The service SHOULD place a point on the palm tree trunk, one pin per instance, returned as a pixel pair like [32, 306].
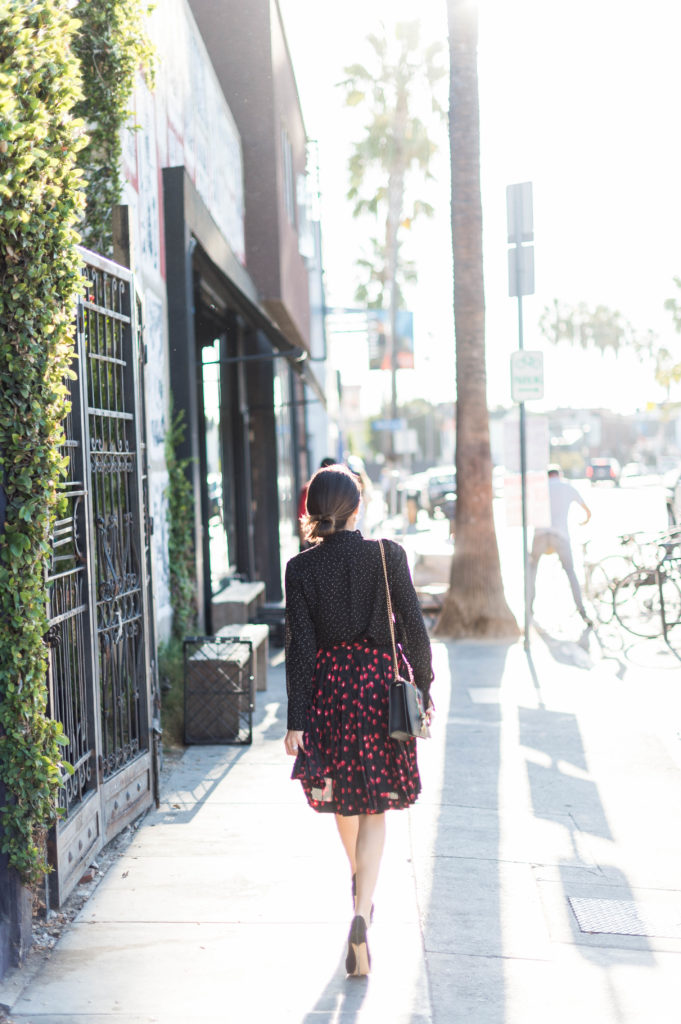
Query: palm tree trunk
[475, 604]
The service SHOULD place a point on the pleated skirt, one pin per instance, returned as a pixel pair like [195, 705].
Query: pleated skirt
[351, 766]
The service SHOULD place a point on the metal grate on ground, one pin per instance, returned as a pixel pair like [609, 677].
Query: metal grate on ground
[627, 917]
[218, 690]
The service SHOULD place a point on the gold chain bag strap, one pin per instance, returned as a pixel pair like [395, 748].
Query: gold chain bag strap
[406, 712]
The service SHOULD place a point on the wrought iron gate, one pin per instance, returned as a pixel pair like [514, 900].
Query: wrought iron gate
[102, 684]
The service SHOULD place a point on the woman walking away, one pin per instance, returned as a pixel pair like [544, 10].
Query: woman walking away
[339, 668]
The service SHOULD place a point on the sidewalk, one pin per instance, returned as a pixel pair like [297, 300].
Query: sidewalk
[551, 796]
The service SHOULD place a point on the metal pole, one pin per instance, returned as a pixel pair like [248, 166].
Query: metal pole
[523, 453]
[523, 502]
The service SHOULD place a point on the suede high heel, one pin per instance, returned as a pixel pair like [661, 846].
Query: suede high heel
[358, 960]
[354, 896]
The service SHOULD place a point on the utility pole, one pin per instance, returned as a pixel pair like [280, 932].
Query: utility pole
[521, 282]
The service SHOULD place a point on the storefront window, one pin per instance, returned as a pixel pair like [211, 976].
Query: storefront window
[288, 536]
[217, 535]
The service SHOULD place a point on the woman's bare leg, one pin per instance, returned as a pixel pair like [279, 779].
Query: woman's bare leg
[348, 827]
[368, 852]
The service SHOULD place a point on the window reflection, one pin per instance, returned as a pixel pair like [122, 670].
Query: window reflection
[288, 536]
[218, 544]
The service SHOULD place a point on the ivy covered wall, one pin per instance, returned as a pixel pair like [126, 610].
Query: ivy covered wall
[111, 45]
[41, 200]
[60, 156]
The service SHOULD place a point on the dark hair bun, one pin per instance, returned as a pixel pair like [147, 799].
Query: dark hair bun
[325, 526]
[332, 497]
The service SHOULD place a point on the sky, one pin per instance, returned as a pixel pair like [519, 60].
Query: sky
[581, 99]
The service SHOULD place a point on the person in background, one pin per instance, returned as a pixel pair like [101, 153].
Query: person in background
[302, 500]
[356, 467]
[562, 496]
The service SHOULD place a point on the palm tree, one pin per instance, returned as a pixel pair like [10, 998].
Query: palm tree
[599, 328]
[475, 604]
[394, 152]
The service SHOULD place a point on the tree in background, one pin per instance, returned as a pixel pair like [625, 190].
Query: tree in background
[597, 327]
[391, 161]
[601, 328]
[475, 604]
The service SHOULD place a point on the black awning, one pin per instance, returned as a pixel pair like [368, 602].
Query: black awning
[296, 355]
[193, 219]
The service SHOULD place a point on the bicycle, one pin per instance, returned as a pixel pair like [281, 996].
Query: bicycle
[600, 580]
[647, 602]
[602, 577]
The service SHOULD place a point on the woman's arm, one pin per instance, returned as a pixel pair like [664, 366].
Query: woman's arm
[412, 630]
[301, 651]
[294, 741]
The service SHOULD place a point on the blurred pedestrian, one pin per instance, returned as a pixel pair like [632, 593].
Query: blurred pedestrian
[358, 469]
[339, 667]
[556, 538]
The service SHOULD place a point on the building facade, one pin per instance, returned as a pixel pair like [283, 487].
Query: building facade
[205, 313]
[227, 255]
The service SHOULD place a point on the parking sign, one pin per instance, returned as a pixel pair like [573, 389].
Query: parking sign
[527, 375]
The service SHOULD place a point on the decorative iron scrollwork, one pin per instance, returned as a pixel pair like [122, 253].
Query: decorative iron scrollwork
[53, 637]
[116, 558]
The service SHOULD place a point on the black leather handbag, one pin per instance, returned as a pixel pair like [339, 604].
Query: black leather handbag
[406, 711]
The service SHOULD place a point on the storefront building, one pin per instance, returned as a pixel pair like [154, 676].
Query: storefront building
[224, 250]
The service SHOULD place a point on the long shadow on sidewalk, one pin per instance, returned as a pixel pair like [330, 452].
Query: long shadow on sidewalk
[195, 779]
[462, 916]
[583, 893]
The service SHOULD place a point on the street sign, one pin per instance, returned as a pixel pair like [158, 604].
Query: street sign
[398, 424]
[520, 224]
[537, 510]
[536, 444]
[519, 217]
[527, 375]
[405, 442]
[520, 271]
[537, 503]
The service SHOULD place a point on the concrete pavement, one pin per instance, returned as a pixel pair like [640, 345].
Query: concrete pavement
[537, 878]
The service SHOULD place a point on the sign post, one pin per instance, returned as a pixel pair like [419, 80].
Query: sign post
[524, 375]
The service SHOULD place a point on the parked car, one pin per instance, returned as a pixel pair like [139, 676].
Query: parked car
[604, 469]
[440, 489]
[633, 470]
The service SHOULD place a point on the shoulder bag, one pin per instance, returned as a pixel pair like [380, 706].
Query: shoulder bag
[406, 712]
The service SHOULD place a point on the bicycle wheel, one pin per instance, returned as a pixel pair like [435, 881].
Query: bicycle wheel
[638, 604]
[601, 582]
[599, 592]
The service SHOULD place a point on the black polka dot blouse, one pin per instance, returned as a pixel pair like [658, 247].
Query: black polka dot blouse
[335, 593]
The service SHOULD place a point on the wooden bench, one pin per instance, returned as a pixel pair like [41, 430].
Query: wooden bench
[237, 604]
[258, 635]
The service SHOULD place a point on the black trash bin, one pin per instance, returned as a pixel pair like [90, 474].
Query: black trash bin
[218, 690]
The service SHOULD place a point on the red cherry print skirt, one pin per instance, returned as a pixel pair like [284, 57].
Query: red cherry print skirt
[351, 765]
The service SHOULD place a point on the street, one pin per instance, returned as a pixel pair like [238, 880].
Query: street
[638, 505]
[649, 668]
